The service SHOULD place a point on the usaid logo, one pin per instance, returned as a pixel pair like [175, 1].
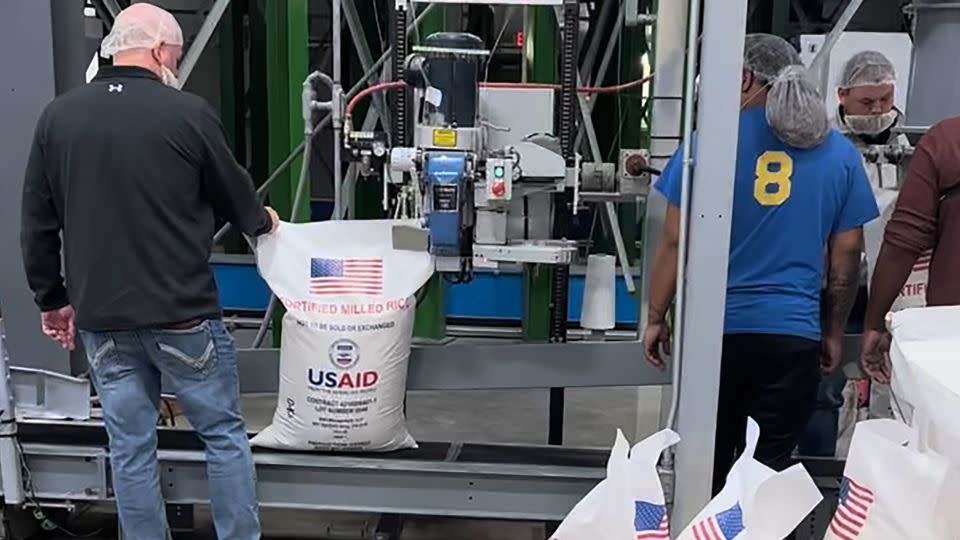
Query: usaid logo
[344, 354]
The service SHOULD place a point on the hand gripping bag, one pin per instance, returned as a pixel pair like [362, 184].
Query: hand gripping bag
[912, 295]
[756, 503]
[346, 334]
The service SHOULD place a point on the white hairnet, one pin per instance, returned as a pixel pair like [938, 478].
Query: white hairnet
[141, 26]
[868, 68]
[765, 55]
[796, 111]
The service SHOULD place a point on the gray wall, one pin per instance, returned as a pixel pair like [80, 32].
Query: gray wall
[26, 60]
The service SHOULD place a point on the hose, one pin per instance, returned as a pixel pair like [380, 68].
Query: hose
[380, 87]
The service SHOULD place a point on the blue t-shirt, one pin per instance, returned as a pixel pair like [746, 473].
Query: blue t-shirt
[787, 203]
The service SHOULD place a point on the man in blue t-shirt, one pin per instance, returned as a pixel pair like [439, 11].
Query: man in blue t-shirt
[800, 192]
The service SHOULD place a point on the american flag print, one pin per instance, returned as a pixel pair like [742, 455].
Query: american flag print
[337, 277]
[651, 522]
[725, 525]
[852, 509]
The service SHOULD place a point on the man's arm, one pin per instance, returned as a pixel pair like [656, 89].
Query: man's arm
[843, 280]
[40, 226]
[227, 184]
[911, 231]
[663, 277]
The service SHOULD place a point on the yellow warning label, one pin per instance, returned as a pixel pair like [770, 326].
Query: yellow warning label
[445, 138]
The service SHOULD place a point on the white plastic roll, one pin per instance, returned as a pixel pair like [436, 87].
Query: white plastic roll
[599, 295]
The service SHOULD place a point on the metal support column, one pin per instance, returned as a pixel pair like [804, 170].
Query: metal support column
[708, 253]
[780, 18]
[431, 316]
[434, 22]
[665, 122]
[541, 47]
[233, 97]
[69, 44]
[431, 322]
[286, 69]
[563, 203]
[11, 483]
[25, 28]
[399, 101]
[200, 43]
[665, 118]
[540, 52]
[932, 95]
[366, 193]
[631, 114]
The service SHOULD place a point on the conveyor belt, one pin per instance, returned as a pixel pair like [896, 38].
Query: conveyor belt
[69, 461]
[92, 434]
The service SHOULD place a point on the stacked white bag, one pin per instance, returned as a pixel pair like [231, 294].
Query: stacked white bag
[926, 374]
[756, 503]
[346, 334]
[891, 489]
[903, 481]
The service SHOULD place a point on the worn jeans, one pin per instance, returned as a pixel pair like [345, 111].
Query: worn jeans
[200, 364]
[819, 439]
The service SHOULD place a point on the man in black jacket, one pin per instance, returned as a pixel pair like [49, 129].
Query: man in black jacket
[131, 172]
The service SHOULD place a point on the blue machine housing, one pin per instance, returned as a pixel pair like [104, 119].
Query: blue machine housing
[446, 183]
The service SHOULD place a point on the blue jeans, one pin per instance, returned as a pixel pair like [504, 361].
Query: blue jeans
[819, 439]
[201, 365]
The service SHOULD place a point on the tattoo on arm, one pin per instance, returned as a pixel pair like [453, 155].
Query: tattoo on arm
[842, 283]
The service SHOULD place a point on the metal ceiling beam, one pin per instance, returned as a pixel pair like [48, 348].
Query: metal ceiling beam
[200, 42]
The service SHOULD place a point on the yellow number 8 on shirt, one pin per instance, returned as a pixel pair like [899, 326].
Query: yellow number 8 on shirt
[772, 186]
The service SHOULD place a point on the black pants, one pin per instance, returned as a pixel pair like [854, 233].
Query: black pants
[772, 379]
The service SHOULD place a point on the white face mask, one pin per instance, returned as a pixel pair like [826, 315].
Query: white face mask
[167, 76]
[870, 124]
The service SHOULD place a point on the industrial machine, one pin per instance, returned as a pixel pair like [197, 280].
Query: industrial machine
[473, 165]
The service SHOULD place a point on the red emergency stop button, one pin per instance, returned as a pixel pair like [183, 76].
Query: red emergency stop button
[499, 189]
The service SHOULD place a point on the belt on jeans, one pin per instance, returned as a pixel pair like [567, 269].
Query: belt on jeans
[184, 325]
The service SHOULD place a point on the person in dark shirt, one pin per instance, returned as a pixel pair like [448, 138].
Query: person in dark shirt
[926, 217]
[131, 172]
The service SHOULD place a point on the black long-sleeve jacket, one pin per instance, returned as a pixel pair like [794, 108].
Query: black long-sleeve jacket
[130, 173]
